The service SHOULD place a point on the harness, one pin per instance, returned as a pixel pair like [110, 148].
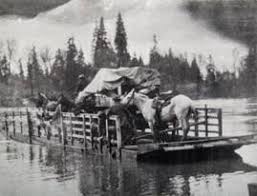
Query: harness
[158, 105]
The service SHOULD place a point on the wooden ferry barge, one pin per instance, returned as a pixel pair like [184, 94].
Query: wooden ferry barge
[91, 133]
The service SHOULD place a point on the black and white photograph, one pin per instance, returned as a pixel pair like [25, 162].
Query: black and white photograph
[128, 98]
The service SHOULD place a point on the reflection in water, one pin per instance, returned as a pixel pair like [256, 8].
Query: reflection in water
[52, 171]
[98, 176]
[36, 170]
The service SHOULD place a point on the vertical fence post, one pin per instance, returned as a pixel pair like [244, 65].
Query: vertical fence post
[30, 128]
[109, 144]
[220, 122]
[196, 126]
[91, 131]
[21, 122]
[118, 136]
[100, 133]
[60, 128]
[13, 123]
[71, 127]
[64, 131]
[84, 132]
[206, 120]
[6, 125]
[107, 129]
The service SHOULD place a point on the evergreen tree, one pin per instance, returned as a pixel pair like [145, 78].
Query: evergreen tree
[30, 76]
[5, 70]
[104, 55]
[57, 73]
[140, 62]
[196, 76]
[37, 72]
[155, 57]
[249, 73]
[81, 59]
[71, 71]
[195, 72]
[21, 71]
[211, 81]
[121, 43]
[184, 70]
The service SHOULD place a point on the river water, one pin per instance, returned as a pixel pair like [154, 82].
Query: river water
[38, 171]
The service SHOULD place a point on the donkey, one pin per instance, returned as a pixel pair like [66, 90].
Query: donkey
[45, 103]
[180, 107]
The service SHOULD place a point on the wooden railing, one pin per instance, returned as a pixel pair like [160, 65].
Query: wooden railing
[92, 129]
[87, 129]
[207, 122]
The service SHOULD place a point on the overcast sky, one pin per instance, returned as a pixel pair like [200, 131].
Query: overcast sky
[143, 18]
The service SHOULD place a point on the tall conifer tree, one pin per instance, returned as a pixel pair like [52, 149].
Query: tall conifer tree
[71, 71]
[104, 55]
[121, 43]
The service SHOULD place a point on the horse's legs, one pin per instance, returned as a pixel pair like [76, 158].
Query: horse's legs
[151, 126]
[185, 127]
[39, 130]
[175, 125]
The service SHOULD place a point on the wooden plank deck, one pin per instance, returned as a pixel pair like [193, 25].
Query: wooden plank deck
[201, 146]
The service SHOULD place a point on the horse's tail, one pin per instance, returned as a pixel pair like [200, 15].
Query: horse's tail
[192, 111]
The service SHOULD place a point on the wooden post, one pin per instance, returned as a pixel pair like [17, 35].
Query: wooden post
[71, 127]
[91, 132]
[106, 129]
[252, 189]
[13, 123]
[119, 137]
[64, 131]
[84, 132]
[109, 144]
[220, 122]
[60, 129]
[206, 120]
[30, 128]
[100, 134]
[6, 125]
[196, 126]
[21, 122]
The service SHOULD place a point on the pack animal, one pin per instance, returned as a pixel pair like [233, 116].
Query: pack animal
[180, 107]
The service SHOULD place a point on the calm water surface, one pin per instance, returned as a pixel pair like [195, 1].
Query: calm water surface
[39, 171]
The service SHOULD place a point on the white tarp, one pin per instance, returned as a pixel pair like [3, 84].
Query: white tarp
[110, 79]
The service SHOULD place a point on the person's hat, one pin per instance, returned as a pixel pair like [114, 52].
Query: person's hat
[81, 76]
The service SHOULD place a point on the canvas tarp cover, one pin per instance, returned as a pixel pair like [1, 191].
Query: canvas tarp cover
[110, 79]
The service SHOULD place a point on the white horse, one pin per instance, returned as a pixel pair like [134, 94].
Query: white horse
[179, 108]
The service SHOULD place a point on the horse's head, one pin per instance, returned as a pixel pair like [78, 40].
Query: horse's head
[129, 98]
[61, 99]
[42, 100]
[66, 104]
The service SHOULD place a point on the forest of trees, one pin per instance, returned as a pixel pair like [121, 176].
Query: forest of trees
[42, 71]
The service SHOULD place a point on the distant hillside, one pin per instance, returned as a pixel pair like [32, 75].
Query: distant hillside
[235, 19]
[28, 8]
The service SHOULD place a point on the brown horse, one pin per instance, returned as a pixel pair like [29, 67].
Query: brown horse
[179, 108]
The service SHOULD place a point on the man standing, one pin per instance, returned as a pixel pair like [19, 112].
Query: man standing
[81, 83]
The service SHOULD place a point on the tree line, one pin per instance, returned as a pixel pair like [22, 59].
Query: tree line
[44, 72]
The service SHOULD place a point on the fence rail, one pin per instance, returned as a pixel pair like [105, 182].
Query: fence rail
[92, 130]
[208, 121]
